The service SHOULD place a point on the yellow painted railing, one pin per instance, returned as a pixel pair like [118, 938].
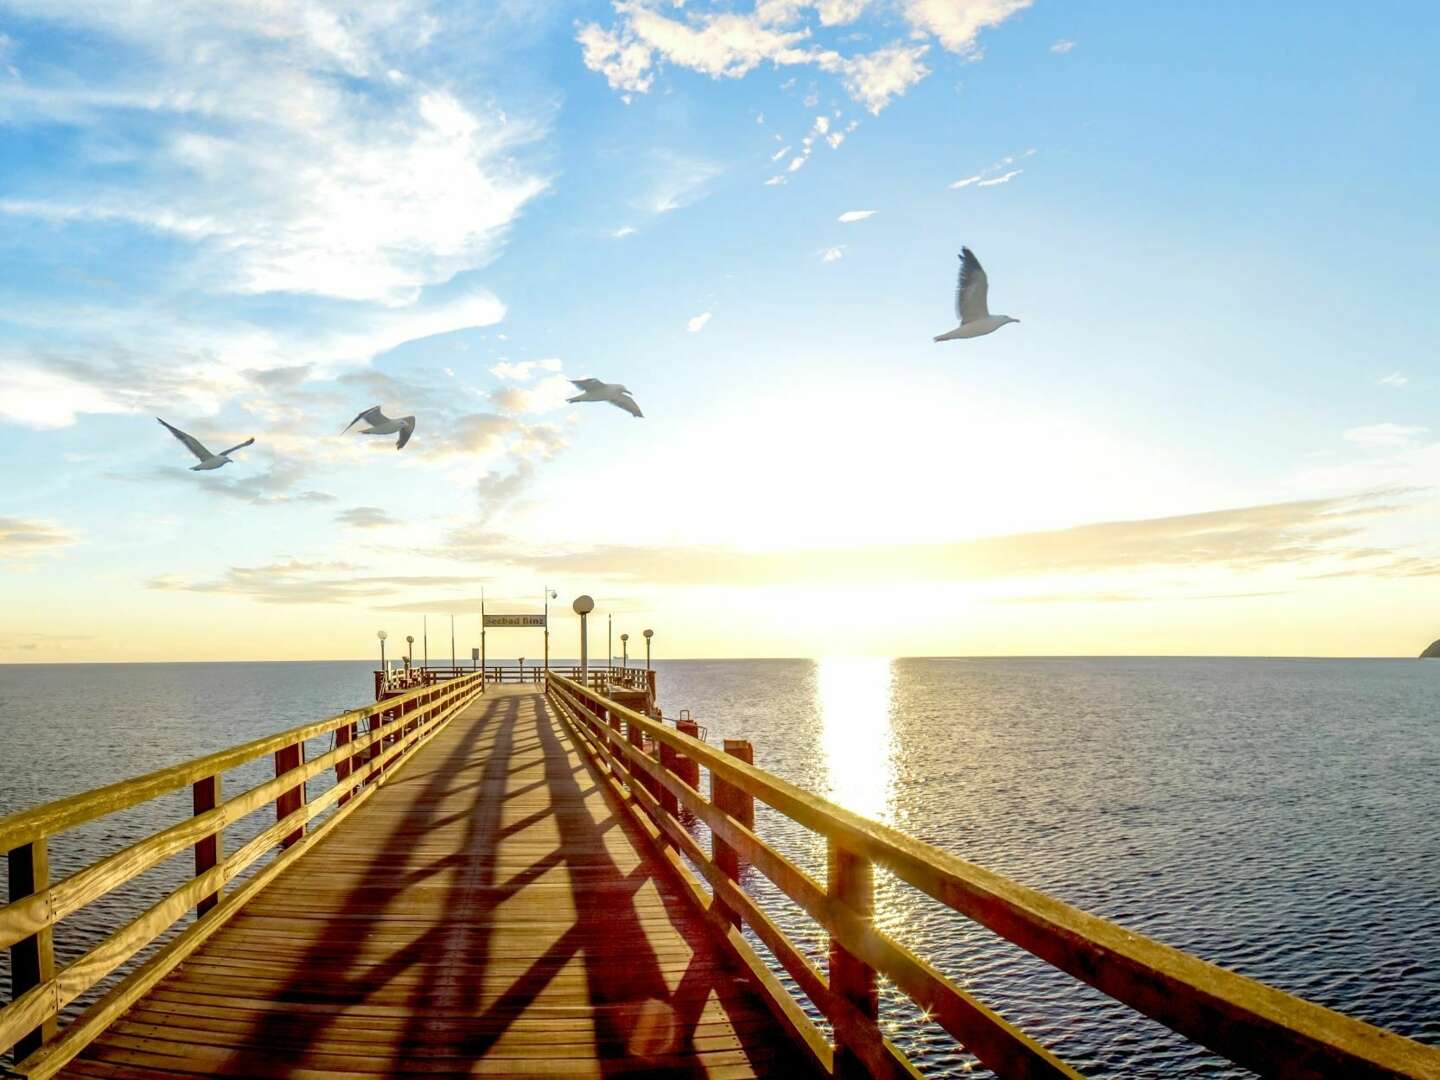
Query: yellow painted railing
[366, 742]
[654, 768]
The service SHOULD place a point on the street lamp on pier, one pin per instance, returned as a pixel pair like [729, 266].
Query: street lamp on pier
[409, 650]
[583, 606]
[648, 635]
[624, 651]
[549, 594]
[382, 636]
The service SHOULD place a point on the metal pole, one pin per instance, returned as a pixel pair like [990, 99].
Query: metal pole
[546, 598]
[453, 664]
[584, 652]
[482, 638]
[426, 632]
[609, 643]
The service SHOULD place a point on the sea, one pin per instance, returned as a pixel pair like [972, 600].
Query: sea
[1279, 817]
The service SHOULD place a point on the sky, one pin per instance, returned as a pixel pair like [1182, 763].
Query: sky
[1211, 432]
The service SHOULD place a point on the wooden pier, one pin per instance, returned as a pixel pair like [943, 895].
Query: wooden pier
[524, 878]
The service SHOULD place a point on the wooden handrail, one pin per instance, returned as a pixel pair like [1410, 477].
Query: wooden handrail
[397, 726]
[1246, 1021]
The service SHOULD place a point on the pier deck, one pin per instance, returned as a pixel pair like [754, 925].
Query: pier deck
[487, 912]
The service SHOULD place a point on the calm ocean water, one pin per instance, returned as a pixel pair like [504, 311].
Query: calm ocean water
[1279, 817]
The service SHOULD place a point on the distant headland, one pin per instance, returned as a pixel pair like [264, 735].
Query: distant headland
[1432, 653]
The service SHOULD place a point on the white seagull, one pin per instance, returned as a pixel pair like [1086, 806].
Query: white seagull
[614, 393]
[207, 459]
[380, 424]
[970, 306]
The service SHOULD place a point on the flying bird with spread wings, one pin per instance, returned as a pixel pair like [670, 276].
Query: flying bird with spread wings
[614, 393]
[208, 460]
[380, 424]
[971, 303]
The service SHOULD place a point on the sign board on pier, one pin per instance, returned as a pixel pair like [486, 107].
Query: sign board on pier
[515, 620]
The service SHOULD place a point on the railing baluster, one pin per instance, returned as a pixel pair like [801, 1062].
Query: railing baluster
[205, 796]
[852, 882]
[287, 758]
[739, 804]
[32, 959]
[344, 736]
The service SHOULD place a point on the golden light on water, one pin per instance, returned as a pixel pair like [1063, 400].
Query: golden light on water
[853, 696]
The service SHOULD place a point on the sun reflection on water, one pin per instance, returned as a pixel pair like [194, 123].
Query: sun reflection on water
[853, 696]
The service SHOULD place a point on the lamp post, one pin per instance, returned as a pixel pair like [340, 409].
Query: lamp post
[583, 606]
[409, 650]
[549, 594]
[609, 644]
[648, 635]
[382, 636]
[624, 651]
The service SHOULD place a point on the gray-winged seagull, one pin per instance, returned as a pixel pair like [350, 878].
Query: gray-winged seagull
[380, 424]
[207, 459]
[970, 302]
[614, 393]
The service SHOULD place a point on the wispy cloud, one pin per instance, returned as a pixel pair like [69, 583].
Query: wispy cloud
[697, 323]
[622, 232]
[1395, 378]
[23, 537]
[1253, 538]
[855, 215]
[1063, 46]
[1004, 178]
[366, 517]
[297, 581]
[1385, 434]
[995, 174]
[832, 254]
[522, 370]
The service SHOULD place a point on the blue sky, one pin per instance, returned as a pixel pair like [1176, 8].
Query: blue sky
[1210, 432]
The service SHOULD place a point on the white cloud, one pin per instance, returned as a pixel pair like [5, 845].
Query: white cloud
[780, 153]
[676, 182]
[797, 161]
[1005, 178]
[622, 232]
[832, 254]
[274, 151]
[775, 181]
[1395, 378]
[1385, 434]
[822, 125]
[966, 182]
[521, 371]
[855, 215]
[957, 23]
[697, 324]
[875, 79]
[715, 40]
[1063, 46]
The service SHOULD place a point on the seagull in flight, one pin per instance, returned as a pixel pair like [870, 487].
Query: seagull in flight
[970, 302]
[208, 460]
[380, 424]
[614, 393]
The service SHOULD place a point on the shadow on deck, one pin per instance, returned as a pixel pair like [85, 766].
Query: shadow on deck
[487, 912]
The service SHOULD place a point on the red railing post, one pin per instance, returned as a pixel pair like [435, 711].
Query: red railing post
[205, 796]
[851, 881]
[32, 959]
[736, 802]
[344, 736]
[287, 759]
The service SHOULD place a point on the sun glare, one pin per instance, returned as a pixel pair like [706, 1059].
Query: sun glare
[853, 695]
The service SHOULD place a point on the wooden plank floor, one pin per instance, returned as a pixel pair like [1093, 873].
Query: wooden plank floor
[487, 912]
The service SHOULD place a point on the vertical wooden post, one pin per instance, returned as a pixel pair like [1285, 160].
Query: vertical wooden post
[32, 959]
[852, 882]
[205, 796]
[739, 804]
[687, 768]
[344, 736]
[288, 758]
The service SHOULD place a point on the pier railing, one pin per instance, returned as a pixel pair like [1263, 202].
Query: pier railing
[366, 742]
[655, 768]
[637, 678]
